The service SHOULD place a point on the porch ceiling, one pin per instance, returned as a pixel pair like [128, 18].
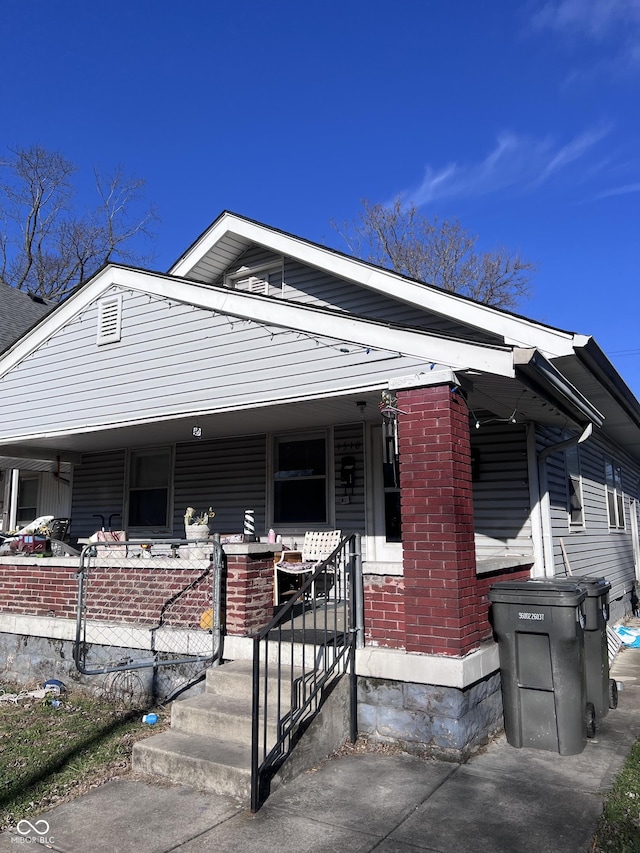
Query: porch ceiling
[304, 415]
[503, 398]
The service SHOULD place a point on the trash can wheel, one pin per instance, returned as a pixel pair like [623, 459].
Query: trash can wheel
[613, 693]
[590, 719]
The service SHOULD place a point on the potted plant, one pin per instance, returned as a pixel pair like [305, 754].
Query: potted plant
[196, 526]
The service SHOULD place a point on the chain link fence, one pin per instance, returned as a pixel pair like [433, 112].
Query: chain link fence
[148, 604]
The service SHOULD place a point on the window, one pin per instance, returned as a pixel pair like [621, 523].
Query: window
[391, 485]
[300, 480]
[27, 501]
[615, 497]
[149, 484]
[575, 508]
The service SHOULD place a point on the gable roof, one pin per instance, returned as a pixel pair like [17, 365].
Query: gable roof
[19, 312]
[230, 235]
[552, 368]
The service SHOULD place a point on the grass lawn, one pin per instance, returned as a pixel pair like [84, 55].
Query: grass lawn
[49, 754]
[619, 827]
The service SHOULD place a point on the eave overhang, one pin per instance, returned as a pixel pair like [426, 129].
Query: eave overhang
[538, 374]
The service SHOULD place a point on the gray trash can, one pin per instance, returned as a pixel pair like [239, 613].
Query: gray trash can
[540, 629]
[602, 691]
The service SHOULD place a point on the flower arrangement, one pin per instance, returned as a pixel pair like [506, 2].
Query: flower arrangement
[190, 516]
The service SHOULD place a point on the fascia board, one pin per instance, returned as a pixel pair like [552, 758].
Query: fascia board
[516, 331]
[590, 354]
[535, 366]
[320, 321]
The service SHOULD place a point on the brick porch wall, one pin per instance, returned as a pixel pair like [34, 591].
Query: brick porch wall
[136, 593]
[442, 603]
[384, 617]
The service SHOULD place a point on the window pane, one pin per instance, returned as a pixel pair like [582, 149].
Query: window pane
[149, 470]
[301, 458]
[611, 507]
[149, 481]
[27, 501]
[28, 493]
[575, 502]
[620, 510]
[299, 501]
[608, 473]
[392, 517]
[148, 508]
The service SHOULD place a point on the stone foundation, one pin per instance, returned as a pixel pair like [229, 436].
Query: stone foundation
[29, 661]
[423, 719]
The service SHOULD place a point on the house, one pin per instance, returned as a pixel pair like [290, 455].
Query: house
[466, 444]
[28, 487]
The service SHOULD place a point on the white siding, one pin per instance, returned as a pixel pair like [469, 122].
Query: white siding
[309, 286]
[594, 549]
[174, 358]
[501, 502]
[98, 487]
[349, 441]
[228, 475]
[54, 495]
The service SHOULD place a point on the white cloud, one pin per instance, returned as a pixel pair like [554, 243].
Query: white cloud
[596, 19]
[613, 25]
[516, 163]
[626, 189]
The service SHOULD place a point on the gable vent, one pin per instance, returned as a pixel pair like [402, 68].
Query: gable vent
[109, 319]
[254, 284]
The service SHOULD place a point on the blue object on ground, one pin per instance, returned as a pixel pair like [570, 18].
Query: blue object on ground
[629, 636]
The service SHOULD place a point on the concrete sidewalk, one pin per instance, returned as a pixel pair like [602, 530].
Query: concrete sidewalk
[504, 799]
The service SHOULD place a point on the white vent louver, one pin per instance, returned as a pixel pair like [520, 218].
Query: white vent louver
[109, 319]
[254, 284]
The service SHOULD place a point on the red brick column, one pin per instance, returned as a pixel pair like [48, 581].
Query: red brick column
[442, 613]
[249, 594]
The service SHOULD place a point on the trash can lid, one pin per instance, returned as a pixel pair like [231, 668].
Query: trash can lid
[550, 591]
[594, 585]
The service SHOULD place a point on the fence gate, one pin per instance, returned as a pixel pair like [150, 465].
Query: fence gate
[149, 605]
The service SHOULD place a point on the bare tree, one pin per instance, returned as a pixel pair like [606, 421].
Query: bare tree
[49, 247]
[438, 252]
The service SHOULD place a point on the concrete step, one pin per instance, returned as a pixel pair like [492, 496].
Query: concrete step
[220, 716]
[236, 679]
[208, 763]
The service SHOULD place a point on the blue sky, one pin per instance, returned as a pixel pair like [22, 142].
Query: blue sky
[520, 117]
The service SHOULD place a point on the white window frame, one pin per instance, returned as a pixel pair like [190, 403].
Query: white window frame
[157, 529]
[302, 526]
[614, 494]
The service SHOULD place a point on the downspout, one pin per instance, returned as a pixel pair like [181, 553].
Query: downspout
[548, 567]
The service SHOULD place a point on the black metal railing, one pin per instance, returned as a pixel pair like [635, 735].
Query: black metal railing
[297, 659]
